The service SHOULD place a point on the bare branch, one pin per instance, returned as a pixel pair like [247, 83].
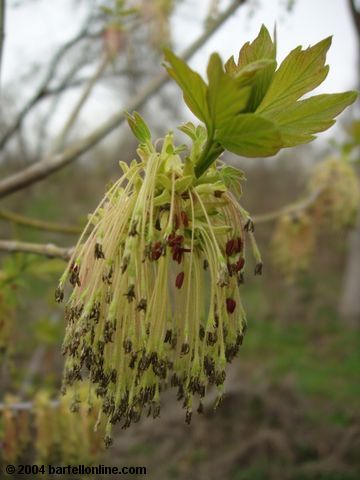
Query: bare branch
[295, 208]
[61, 140]
[39, 224]
[48, 250]
[41, 90]
[53, 163]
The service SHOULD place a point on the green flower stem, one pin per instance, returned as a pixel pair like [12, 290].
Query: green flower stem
[210, 153]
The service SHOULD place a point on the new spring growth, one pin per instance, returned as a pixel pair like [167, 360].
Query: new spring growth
[157, 272]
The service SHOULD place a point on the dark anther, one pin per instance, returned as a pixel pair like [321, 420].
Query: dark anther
[125, 263]
[107, 276]
[98, 252]
[220, 377]
[218, 193]
[211, 338]
[113, 375]
[130, 294]
[74, 275]
[108, 331]
[142, 305]
[249, 226]
[168, 336]
[185, 348]
[205, 264]
[59, 294]
[127, 346]
[133, 360]
[157, 224]
[258, 268]
[240, 278]
[201, 332]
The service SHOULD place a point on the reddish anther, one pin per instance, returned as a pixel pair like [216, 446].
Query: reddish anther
[156, 251]
[230, 305]
[230, 247]
[240, 264]
[184, 219]
[179, 279]
[176, 221]
[238, 244]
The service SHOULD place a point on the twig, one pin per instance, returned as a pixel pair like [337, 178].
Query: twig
[41, 90]
[39, 224]
[61, 140]
[50, 164]
[48, 250]
[288, 210]
[19, 406]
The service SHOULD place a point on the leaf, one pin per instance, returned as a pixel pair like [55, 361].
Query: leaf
[226, 97]
[138, 127]
[251, 136]
[232, 178]
[193, 86]
[257, 61]
[299, 121]
[300, 72]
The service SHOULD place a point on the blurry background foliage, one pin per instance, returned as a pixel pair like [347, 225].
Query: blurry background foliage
[291, 411]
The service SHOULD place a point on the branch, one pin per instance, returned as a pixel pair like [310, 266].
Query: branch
[39, 224]
[288, 210]
[25, 405]
[48, 250]
[41, 90]
[50, 164]
[61, 140]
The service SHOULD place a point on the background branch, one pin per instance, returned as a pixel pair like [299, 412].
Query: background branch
[288, 210]
[41, 90]
[52, 163]
[61, 140]
[39, 224]
[48, 250]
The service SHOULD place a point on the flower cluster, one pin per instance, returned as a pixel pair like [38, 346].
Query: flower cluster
[156, 278]
[338, 202]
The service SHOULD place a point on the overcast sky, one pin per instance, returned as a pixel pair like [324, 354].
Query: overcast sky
[33, 31]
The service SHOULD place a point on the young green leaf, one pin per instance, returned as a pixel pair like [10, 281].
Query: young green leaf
[300, 72]
[258, 60]
[138, 127]
[250, 135]
[193, 86]
[226, 97]
[299, 121]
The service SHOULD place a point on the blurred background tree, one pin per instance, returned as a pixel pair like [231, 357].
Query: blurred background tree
[291, 411]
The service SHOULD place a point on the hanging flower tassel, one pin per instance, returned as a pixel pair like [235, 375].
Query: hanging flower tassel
[156, 298]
